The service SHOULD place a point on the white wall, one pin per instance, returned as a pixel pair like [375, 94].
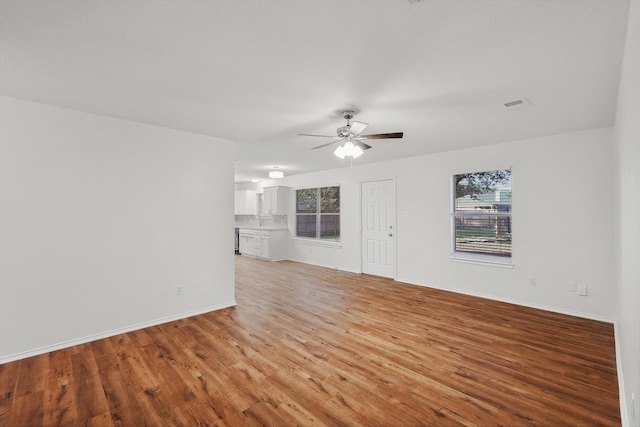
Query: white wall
[100, 220]
[627, 207]
[562, 221]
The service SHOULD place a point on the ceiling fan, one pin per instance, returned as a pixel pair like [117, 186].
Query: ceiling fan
[351, 136]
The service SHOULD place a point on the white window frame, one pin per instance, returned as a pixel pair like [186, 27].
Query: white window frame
[472, 257]
[317, 240]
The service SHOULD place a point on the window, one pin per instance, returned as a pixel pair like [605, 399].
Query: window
[318, 213]
[481, 216]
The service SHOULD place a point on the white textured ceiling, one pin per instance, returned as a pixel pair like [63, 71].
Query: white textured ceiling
[260, 72]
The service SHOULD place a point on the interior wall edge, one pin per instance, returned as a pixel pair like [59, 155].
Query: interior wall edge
[620, 372]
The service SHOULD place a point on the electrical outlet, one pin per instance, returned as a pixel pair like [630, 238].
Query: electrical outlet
[533, 281]
[582, 289]
[179, 290]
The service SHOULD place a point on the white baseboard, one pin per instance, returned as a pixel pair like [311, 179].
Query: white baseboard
[113, 332]
[516, 302]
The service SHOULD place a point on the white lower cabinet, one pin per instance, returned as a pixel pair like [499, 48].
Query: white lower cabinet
[265, 251]
[267, 244]
[246, 243]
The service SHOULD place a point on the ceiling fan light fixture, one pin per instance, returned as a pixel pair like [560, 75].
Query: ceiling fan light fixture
[352, 134]
[348, 150]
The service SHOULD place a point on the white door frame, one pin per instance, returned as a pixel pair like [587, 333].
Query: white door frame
[395, 230]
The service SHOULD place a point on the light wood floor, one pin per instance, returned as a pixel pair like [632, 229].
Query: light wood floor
[313, 346]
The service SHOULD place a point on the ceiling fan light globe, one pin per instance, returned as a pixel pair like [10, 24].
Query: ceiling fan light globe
[348, 148]
[357, 152]
[340, 152]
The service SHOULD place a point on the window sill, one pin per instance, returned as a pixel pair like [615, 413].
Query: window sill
[317, 242]
[482, 260]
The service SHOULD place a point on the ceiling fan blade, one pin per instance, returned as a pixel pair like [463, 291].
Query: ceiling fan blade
[384, 135]
[362, 145]
[357, 127]
[319, 136]
[328, 144]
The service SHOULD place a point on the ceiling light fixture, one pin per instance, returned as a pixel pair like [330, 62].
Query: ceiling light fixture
[348, 150]
[276, 174]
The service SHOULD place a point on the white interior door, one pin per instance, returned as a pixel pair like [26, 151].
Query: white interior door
[378, 227]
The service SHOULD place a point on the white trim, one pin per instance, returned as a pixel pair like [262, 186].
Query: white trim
[317, 242]
[315, 186]
[479, 259]
[622, 395]
[111, 333]
[516, 302]
[490, 169]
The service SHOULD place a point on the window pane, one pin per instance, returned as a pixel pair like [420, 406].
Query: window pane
[498, 200]
[330, 200]
[329, 227]
[306, 225]
[478, 190]
[484, 234]
[306, 200]
[482, 213]
[318, 213]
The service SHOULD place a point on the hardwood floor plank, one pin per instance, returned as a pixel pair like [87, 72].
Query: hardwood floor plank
[59, 401]
[227, 408]
[9, 374]
[87, 387]
[311, 346]
[119, 392]
[101, 420]
[27, 410]
[31, 376]
[287, 407]
[198, 413]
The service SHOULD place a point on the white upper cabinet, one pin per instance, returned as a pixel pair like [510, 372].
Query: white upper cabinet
[276, 200]
[245, 202]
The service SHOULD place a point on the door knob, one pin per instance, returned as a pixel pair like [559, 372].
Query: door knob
[390, 234]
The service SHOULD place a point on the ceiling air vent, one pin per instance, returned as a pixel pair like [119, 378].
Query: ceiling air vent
[413, 1]
[516, 104]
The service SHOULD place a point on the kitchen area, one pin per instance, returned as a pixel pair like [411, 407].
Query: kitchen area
[261, 222]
